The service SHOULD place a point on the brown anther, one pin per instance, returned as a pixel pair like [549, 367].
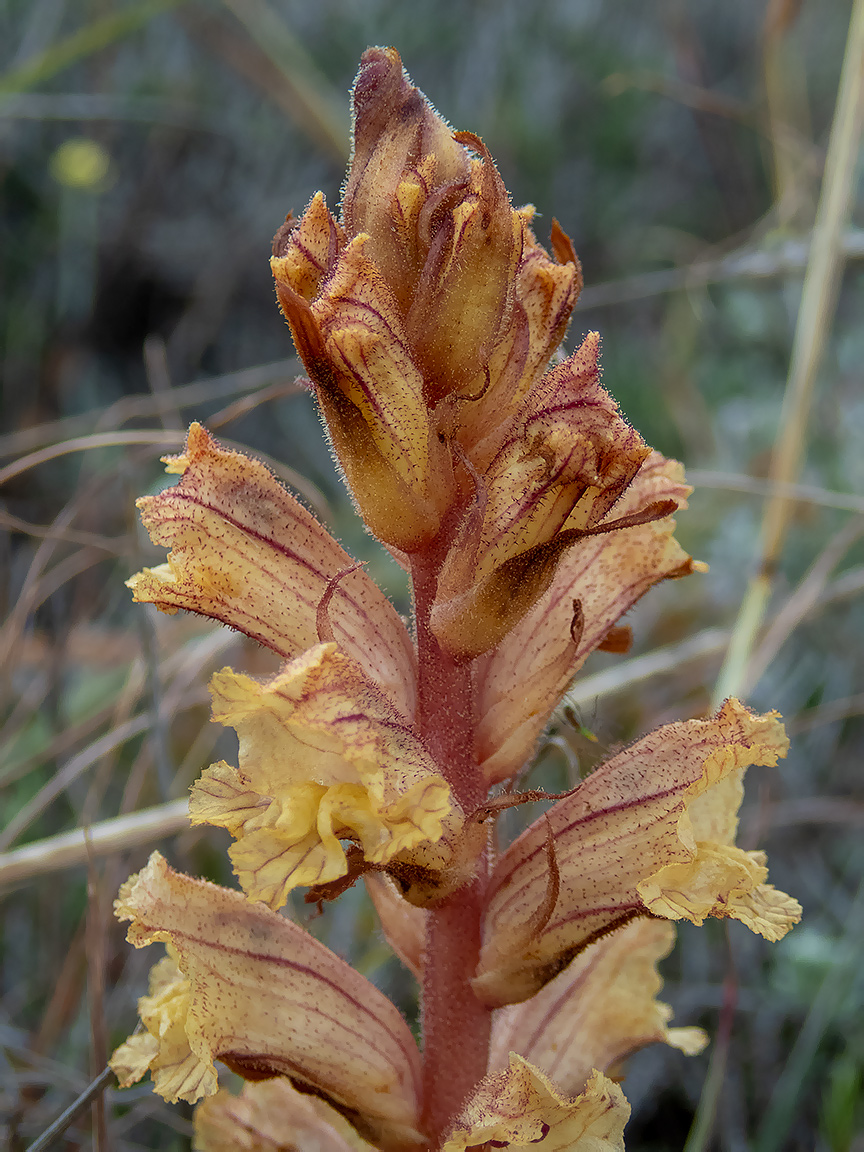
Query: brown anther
[619, 640]
[577, 622]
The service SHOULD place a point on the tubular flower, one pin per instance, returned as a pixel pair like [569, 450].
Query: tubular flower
[530, 517]
[323, 759]
[650, 831]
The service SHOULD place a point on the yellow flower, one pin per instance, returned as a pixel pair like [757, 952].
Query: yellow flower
[650, 831]
[259, 994]
[324, 759]
[520, 1106]
[246, 553]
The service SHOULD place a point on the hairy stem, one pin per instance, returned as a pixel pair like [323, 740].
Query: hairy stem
[456, 1025]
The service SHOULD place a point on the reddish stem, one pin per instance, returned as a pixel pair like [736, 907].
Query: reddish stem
[456, 1026]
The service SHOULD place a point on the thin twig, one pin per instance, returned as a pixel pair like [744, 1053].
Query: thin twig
[793, 813]
[63, 1121]
[703, 1121]
[159, 381]
[818, 300]
[746, 263]
[313, 495]
[667, 659]
[86, 444]
[70, 771]
[95, 938]
[144, 405]
[69, 849]
[824, 1008]
[306, 92]
[828, 713]
[93, 37]
[805, 493]
[802, 601]
[115, 546]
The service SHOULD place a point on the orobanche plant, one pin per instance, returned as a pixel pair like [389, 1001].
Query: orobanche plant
[529, 516]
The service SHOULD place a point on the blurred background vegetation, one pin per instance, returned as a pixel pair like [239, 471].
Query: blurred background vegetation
[148, 151]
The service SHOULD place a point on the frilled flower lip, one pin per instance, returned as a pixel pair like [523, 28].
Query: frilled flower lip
[624, 844]
[519, 1106]
[324, 759]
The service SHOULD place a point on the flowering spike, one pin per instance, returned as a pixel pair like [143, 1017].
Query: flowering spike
[529, 517]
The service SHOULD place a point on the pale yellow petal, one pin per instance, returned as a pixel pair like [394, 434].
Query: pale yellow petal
[596, 1012]
[520, 1109]
[767, 910]
[324, 758]
[131, 1060]
[163, 1050]
[267, 999]
[272, 1116]
[721, 880]
[246, 553]
[522, 680]
[613, 837]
